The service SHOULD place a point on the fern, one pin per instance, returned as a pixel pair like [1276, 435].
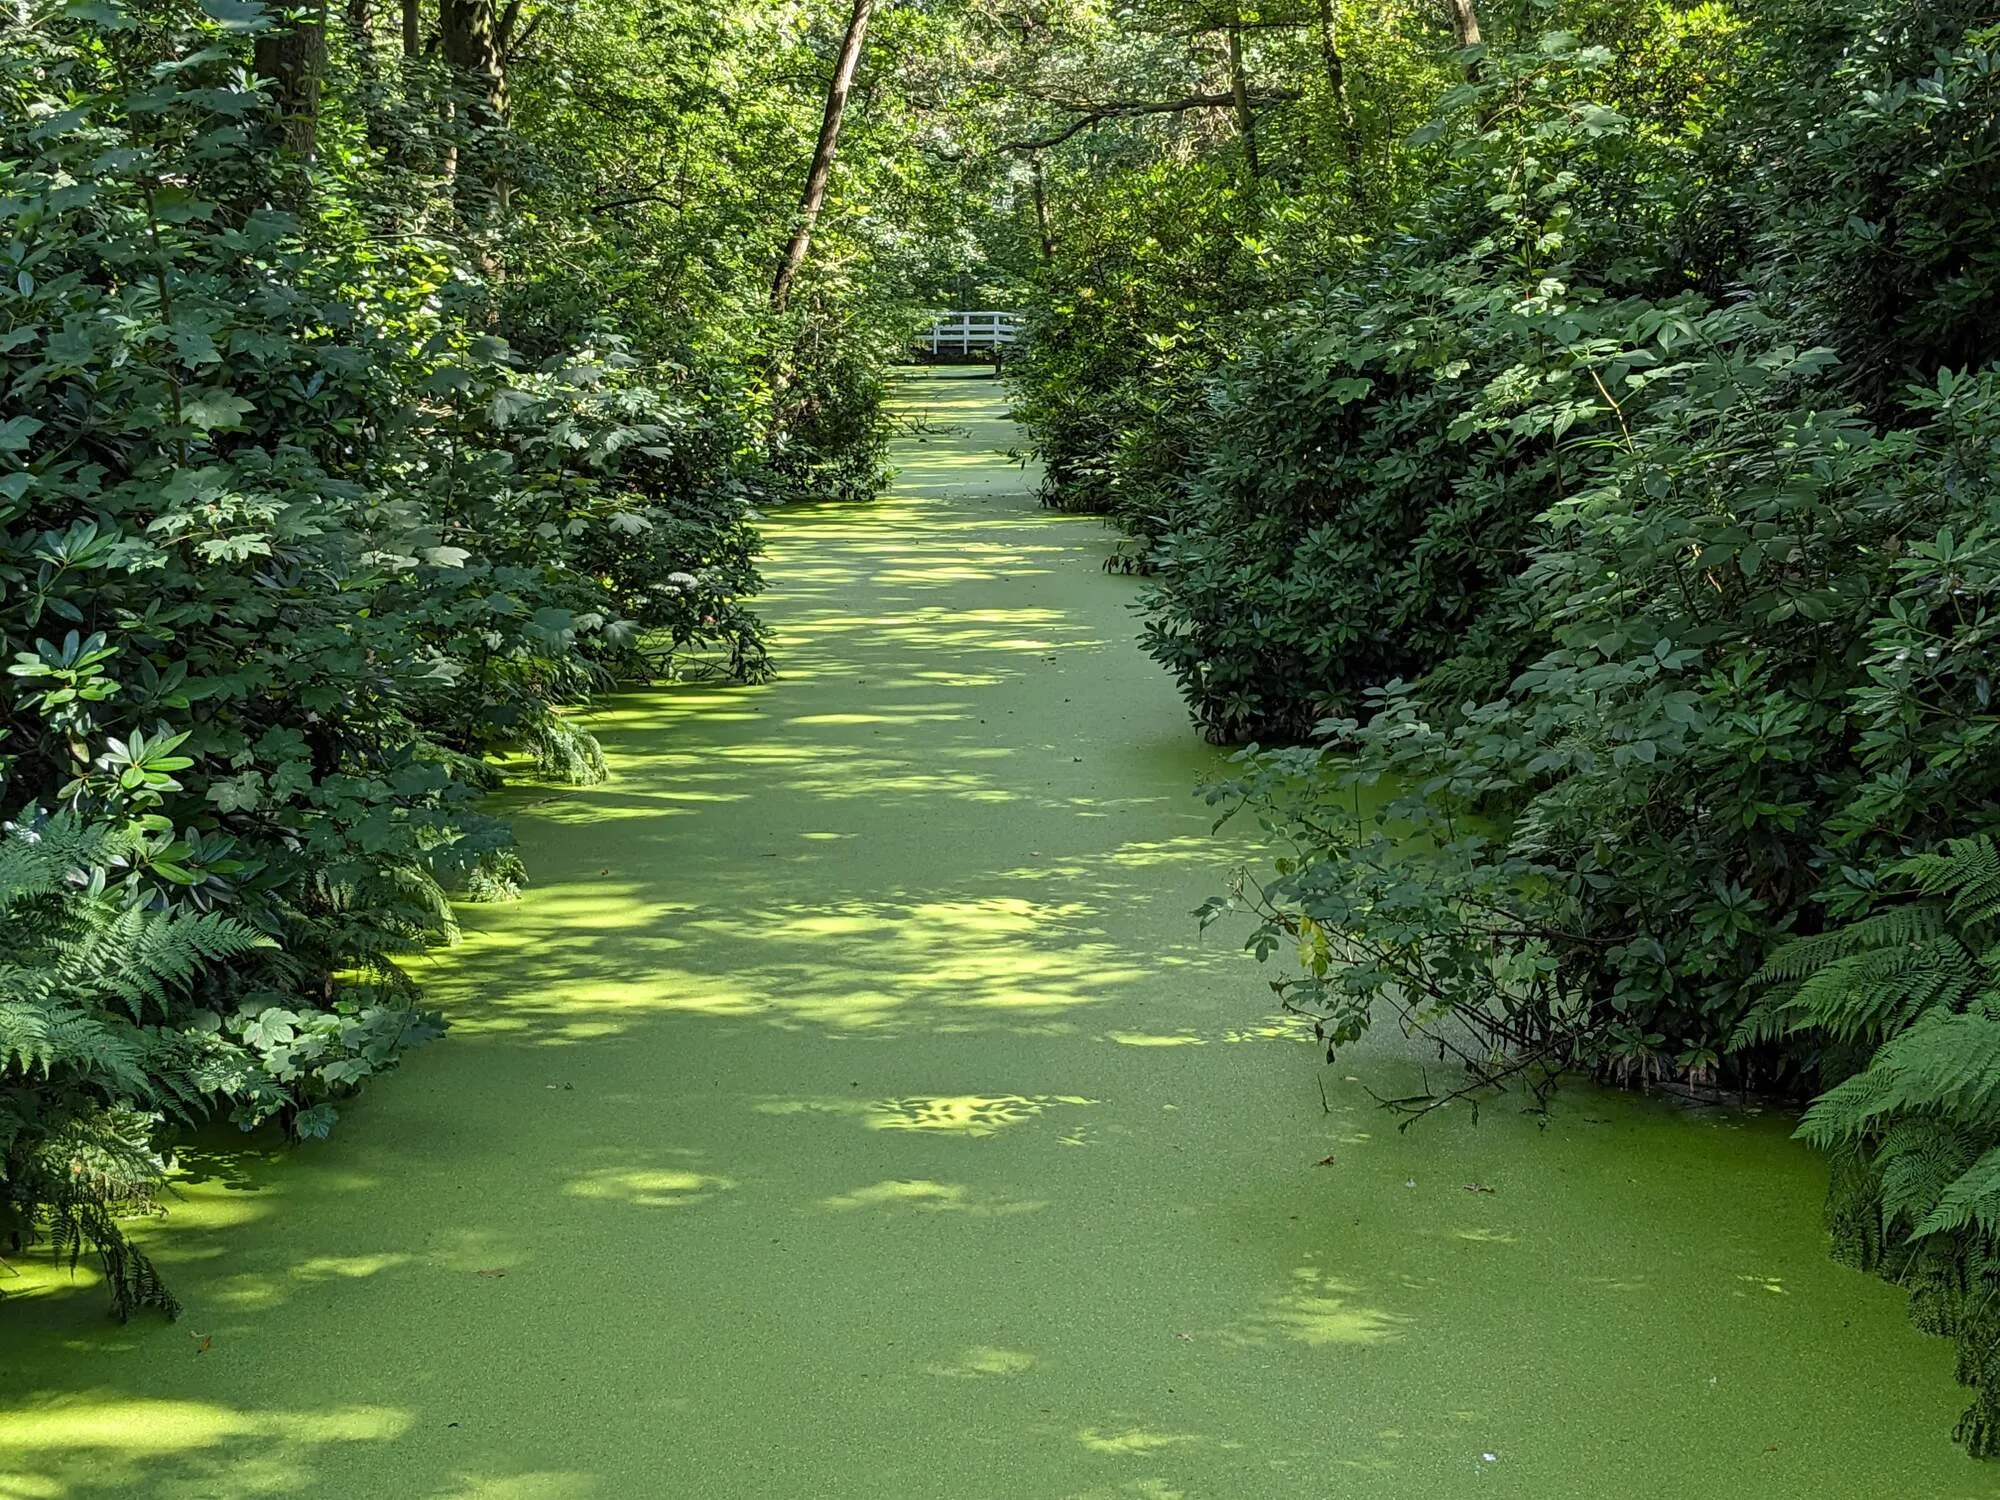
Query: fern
[495, 877]
[89, 1172]
[565, 752]
[83, 1084]
[1915, 1133]
[1854, 1209]
[1921, 1159]
[1845, 1113]
[1945, 1064]
[145, 957]
[1899, 926]
[1971, 1199]
[46, 859]
[1966, 872]
[1867, 996]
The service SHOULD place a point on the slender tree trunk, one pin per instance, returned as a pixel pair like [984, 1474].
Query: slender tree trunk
[1043, 224]
[413, 16]
[1465, 21]
[294, 60]
[814, 197]
[360, 19]
[1239, 92]
[1329, 50]
[1336, 80]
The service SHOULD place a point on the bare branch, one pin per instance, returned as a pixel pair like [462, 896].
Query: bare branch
[520, 43]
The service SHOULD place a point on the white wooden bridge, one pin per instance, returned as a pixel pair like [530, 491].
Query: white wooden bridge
[966, 335]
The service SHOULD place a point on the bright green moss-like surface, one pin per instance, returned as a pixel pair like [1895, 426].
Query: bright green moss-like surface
[851, 1110]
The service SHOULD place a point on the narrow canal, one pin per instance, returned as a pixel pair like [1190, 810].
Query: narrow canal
[851, 1111]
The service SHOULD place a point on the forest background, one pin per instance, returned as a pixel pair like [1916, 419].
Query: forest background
[1567, 429]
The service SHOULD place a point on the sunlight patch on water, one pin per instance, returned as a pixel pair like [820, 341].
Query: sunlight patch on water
[1320, 1311]
[982, 1361]
[552, 1484]
[1150, 1039]
[1285, 1026]
[963, 1114]
[1133, 1489]
[1132, 1441]
[136, 1425]
[926, 1196]
[647, 1188]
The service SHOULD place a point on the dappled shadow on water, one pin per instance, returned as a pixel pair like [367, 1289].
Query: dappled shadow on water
[939, 824]
[944, 815]
[851, 1110]
[845, 966]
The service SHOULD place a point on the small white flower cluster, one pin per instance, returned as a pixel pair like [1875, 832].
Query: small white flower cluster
[677, 583]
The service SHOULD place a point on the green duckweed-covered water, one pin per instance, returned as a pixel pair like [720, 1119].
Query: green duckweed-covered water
[851, 1110]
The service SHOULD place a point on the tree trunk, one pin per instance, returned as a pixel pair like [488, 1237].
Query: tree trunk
[1239, 92]
[413, 41]
[1336, 80]
[1043, 224]
[1465, 22]
[294, 60]
[361, 34]
[822, 162]
[1329, 48]
[471, 35]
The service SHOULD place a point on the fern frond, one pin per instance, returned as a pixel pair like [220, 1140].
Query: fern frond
[1870, 995]
[148, 954]
[1848, 1110]
[420, 889]
[1854, 1207]
[1973, 1198]
[565, 752]
[24, 1037]
[1918, 1160]
[83, 1176]
[1946, 1064]
[62, 1041]
[1967, 870]
[1896, 927]
[53, 855]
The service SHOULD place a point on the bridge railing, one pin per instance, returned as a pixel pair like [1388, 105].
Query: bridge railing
[966, 333]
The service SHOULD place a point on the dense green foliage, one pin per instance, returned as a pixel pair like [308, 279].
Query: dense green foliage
[1612, 517]
[1576, 443]
[1165, 242]
[345, 449]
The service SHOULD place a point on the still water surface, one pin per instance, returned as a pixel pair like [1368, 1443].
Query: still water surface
[851, 1109]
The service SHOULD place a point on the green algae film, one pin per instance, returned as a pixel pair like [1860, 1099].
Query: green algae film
[851, 1109]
